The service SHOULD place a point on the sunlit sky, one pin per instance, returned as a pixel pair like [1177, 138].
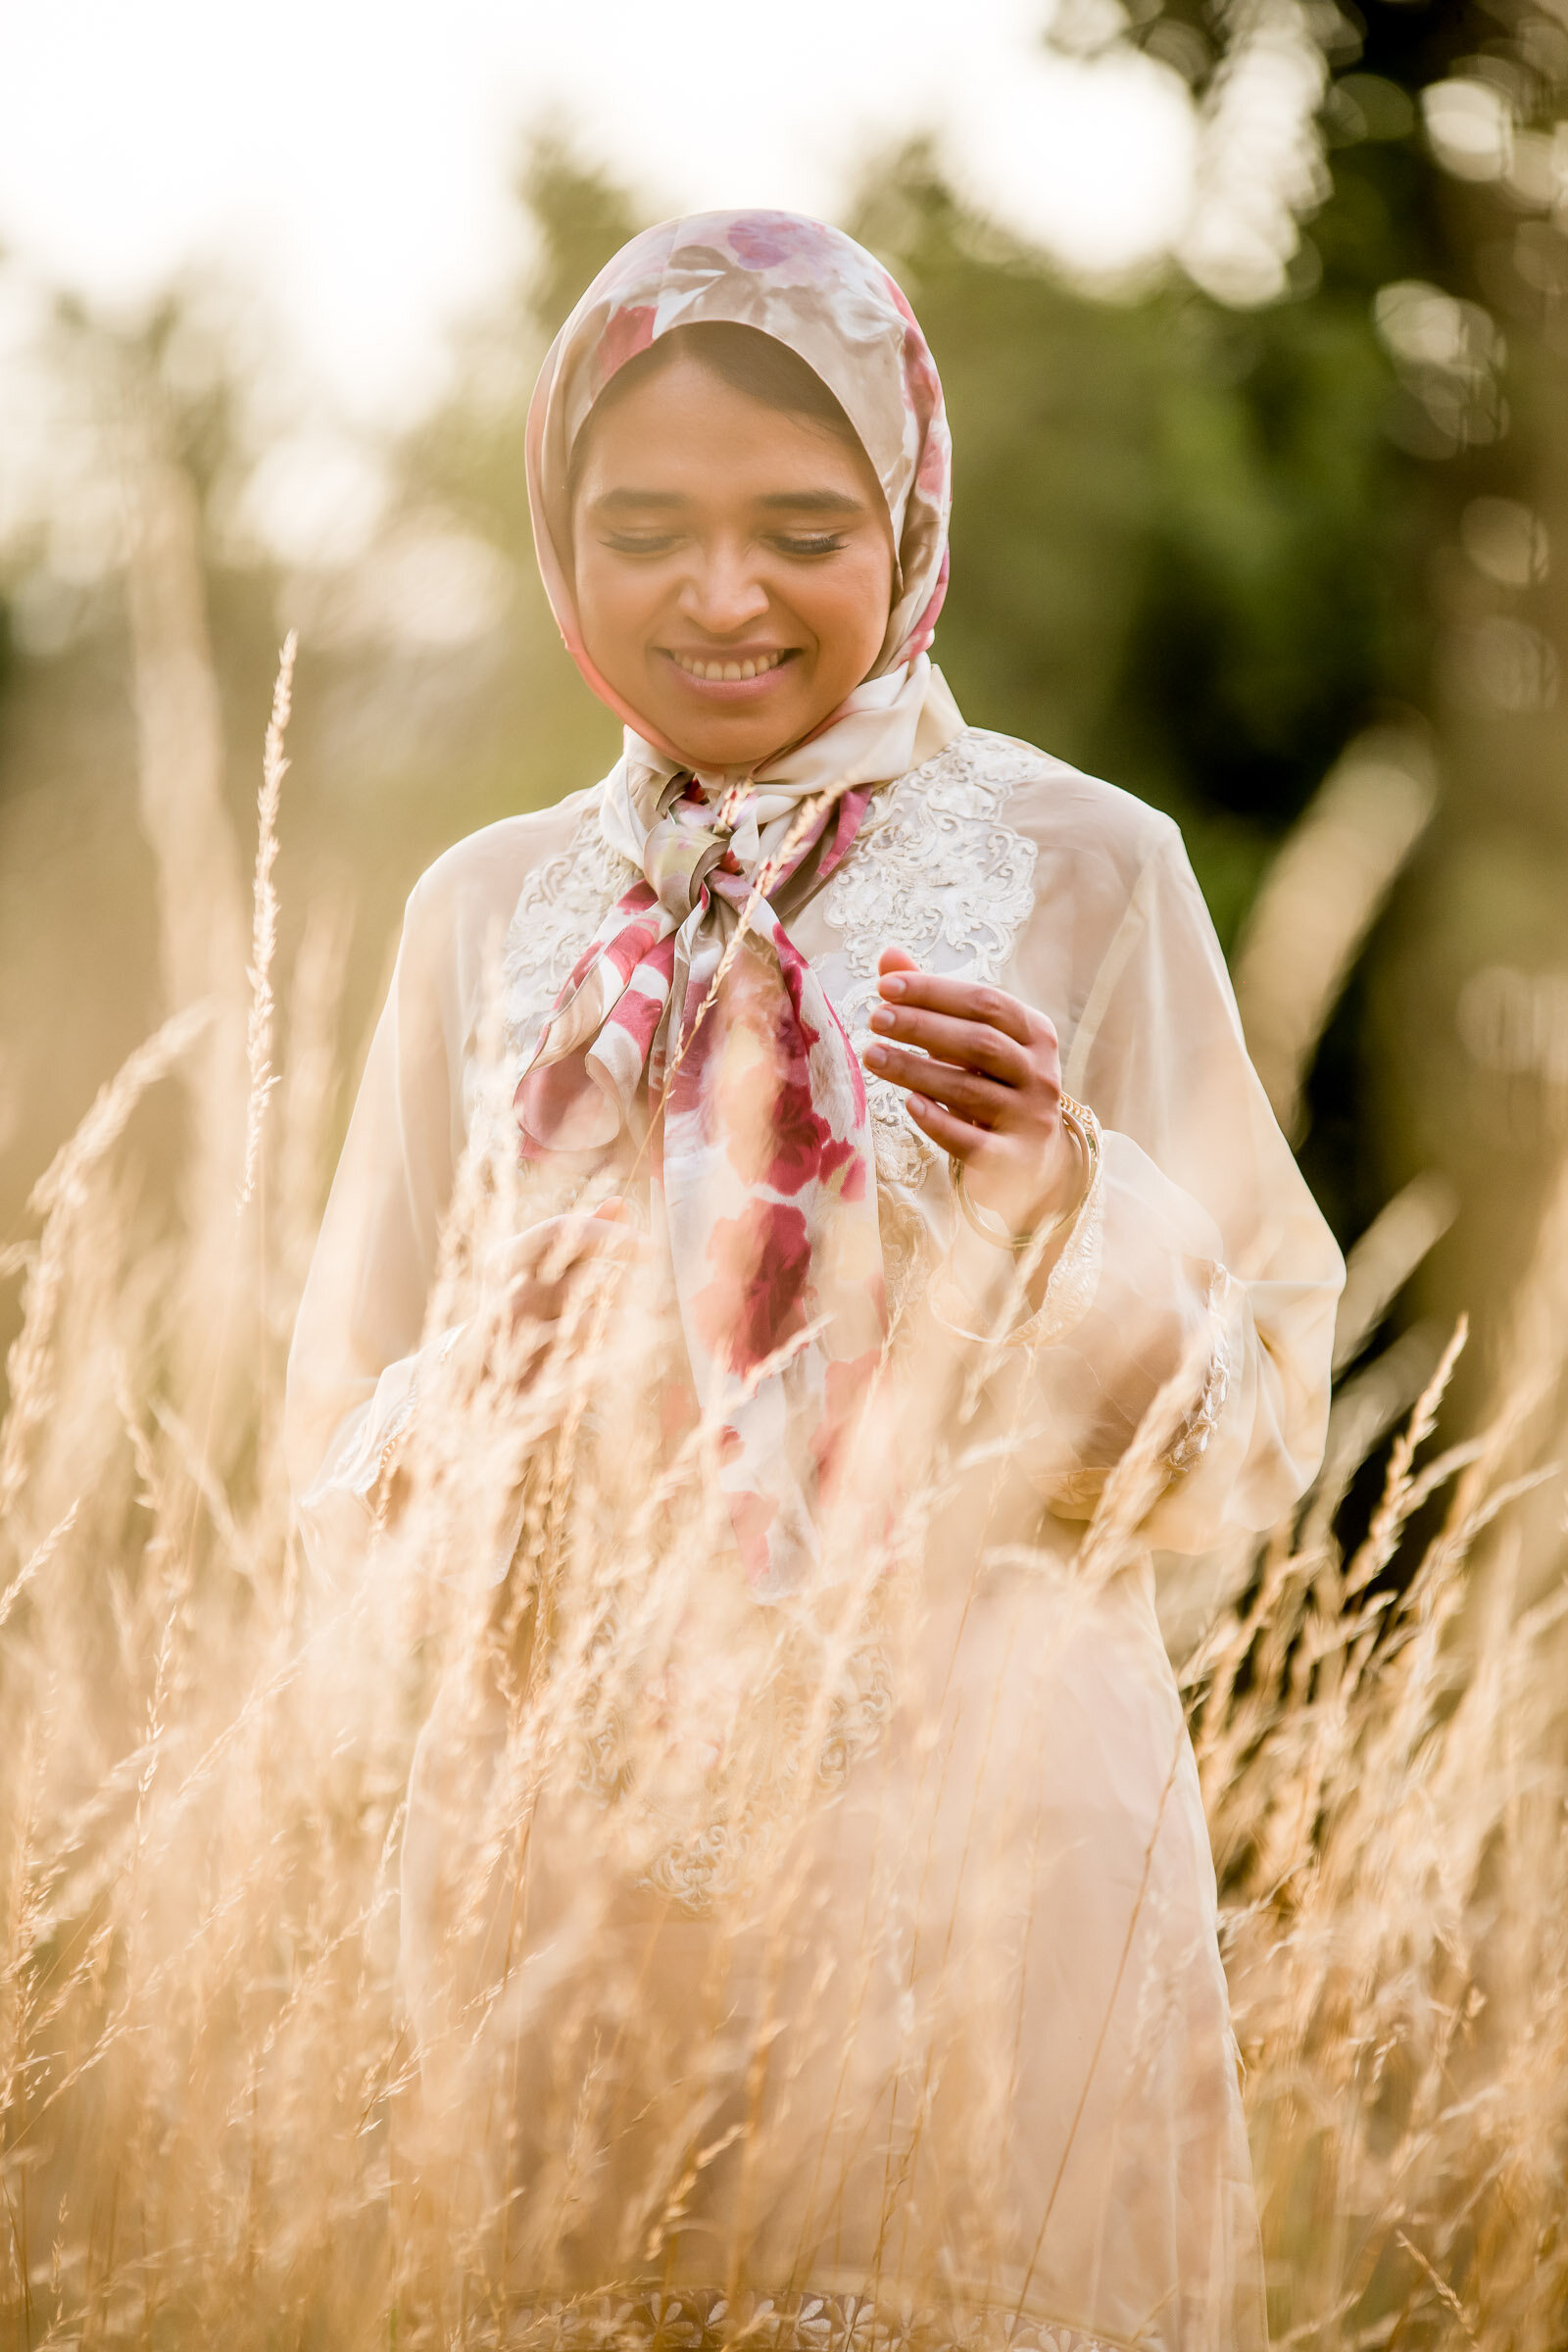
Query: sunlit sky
[351, 160]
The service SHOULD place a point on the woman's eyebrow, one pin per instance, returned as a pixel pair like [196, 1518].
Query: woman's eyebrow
[617, 502]
[813, 502]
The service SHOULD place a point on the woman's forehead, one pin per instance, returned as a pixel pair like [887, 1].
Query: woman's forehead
[798, 281]
[686, 432]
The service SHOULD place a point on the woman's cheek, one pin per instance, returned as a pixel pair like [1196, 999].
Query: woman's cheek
[616, 613]
[852, 614]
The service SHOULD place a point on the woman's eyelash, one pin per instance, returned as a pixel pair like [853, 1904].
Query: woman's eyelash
[658, 543]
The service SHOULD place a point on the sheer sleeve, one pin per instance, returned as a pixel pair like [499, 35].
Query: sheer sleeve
[1204, 1245]
[357, 1354]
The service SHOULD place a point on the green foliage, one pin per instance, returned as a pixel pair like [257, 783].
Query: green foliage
[582, 220]
[1186, 554]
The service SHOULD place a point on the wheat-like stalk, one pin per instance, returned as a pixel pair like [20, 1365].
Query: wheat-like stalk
[337, 2001]
[62, 1197]
[264, 919]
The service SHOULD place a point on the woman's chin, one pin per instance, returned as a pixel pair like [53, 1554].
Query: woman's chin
[729, 740]
[729, 722]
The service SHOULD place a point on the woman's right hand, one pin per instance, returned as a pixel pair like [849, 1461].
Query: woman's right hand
[539, 1269]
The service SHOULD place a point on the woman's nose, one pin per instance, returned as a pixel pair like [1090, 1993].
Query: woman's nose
[722, 593]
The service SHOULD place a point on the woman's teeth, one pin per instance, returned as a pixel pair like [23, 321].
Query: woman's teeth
[713, 672]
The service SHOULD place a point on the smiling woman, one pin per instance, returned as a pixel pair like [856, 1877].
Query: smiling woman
[731, 547]
[857, 1242]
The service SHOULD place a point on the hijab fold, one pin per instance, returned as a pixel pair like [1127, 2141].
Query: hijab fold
[692, 1028]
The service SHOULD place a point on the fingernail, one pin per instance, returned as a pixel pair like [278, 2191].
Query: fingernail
[876, 1053]
[892, 984]
[918, 1103]
[612, 1207]
[881, 1020]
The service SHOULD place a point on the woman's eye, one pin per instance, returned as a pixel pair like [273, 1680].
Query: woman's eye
[660, 543]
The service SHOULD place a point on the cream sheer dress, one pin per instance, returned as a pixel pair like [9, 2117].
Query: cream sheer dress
[1107, 2195]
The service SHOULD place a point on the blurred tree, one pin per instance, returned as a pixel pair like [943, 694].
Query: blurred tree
[1186, 554]
[1446, 220]
[1199, 545]
[581, 220]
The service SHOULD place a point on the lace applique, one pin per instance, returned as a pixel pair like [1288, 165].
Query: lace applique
[1077, 1493]
[558, 912]
[707, 2318]
[795, 1737]
[1198, 1425]
[935, 870]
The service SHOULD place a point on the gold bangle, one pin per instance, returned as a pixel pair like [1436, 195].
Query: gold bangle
[1084, 1128]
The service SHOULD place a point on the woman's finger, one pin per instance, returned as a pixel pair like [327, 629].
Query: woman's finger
[969, 1044]
[541, 1296]
[965, 999]
[945, 1130]
[605, 1248]
[520, 1253]
[983, 1100]
[547, 1252]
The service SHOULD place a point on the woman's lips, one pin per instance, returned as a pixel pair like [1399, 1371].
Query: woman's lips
[729, 677]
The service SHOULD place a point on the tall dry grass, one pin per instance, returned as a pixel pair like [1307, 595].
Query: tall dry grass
[213, 2127]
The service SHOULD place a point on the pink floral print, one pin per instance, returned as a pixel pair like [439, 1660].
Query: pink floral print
[752, 1102]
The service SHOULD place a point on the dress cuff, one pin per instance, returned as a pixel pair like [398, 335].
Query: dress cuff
[980, 1293]
[360, 1463]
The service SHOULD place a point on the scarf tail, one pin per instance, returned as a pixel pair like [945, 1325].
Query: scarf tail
[761, 1158]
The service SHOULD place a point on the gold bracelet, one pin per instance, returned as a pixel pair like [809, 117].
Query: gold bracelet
[1084, 1128]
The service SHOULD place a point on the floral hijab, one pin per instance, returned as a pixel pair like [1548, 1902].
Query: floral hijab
[808, 286]
[693, 1038]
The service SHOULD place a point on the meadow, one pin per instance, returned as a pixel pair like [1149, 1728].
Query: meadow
[214, 2127]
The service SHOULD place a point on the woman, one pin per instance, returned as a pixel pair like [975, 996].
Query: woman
[856, 1953]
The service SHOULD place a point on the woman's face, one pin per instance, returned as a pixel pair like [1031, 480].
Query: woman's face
[733, 565]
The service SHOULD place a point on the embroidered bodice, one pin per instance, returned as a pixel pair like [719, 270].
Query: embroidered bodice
[936, 869]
